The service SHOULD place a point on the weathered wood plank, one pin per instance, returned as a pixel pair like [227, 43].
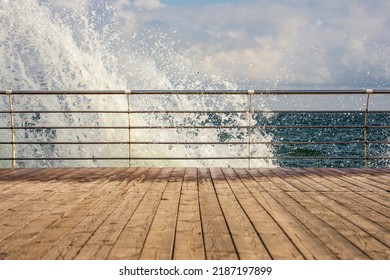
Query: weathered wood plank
[379, 175]
[357, 180]
[305, 177]
[309, 246]
[373, 229]
[89, 197]
[291, 180]
[361, 209]
[333, 184]
[108, 232]
[189, 243]
[370, 203]
[366, 178]
[336, 180]
[340, 246]
[364, 241]
[278, 244]
[159, 243]
[117, 188]
[131, 240]
[247, 241]
[217, 238]
[279, 182]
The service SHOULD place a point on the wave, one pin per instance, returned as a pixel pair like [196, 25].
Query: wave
[50, 47]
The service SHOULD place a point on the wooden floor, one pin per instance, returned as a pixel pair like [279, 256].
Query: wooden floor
[151, 213]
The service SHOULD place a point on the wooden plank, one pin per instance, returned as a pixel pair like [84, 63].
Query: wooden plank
[26, 233]
[217, 238]
[18, 173]
[361, 209]
[291, 180]
[357, 180]
[340, 246]
[90, 197]
[365, 177]
[362, 240]
[15, 218]
[246, 239]
[60, 219]
[263, 181]
[378, 232]
[338, 181]
[23, 190]
[131, 240]
[159, 243]
[279, 182]
[118, 186]
[382, 198]
[248, 180]
[301, 176]
[370, 199]
[306, 242]
[327, 181]
[189, 236]
[25, 207]
[375, 174]
[275, 239]
[108, 232]
[384, 210]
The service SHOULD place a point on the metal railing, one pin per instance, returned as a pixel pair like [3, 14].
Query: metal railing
[248, 114]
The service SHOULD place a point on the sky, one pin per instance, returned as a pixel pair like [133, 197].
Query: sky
[293, 44]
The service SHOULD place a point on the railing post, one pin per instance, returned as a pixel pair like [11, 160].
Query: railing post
[368, 91]
[9, 93]
[250, 111]
[128, 92]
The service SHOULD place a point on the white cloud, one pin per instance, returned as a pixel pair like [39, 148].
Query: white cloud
[325, 44]
[149, 4]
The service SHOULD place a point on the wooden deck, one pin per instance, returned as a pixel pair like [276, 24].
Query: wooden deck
[151, 213]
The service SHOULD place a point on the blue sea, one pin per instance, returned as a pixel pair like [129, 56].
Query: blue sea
[349, 136]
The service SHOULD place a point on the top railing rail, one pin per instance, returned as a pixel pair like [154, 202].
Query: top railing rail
[240, 92]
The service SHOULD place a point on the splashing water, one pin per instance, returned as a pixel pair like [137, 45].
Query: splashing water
[49, 47]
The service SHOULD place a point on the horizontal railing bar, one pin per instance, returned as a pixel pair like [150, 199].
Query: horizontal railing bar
[63, 92]
[64, 112]
[258, 111]
[193, 127]
[152, 92]
[203, 158]
[194, 112]
[253, 126]
[245, 92]
[134, 112]
[196, 143]
[68, 143]
[178, 127]
[259, 142]
[241, 158]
